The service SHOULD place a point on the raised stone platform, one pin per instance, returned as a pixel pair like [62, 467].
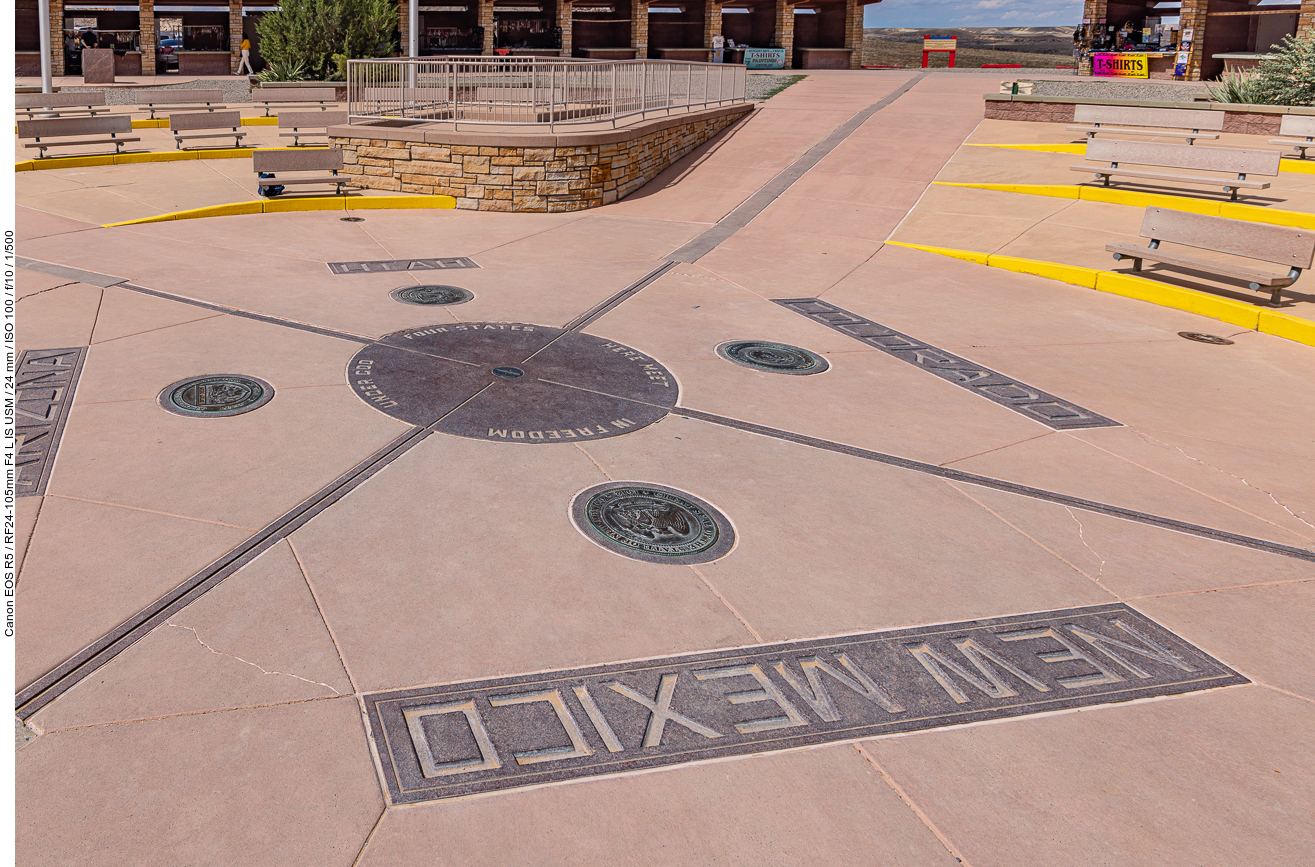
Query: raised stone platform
[511, 170]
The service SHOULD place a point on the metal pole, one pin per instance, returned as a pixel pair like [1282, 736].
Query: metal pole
[412, 39]
[43, 11]
[413, 28]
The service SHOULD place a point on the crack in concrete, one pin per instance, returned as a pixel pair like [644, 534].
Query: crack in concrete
[1148, 438]
[1100, 573]
[44, 291]
[261, 668]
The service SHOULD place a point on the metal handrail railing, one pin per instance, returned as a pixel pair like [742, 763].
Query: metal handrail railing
[540, 91]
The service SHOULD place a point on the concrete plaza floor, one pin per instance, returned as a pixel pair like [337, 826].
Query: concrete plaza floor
[243, 726]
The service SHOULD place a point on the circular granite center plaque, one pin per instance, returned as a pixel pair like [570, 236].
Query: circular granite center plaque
[513, 382]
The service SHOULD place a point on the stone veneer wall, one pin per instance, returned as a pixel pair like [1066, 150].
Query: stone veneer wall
[1248, 120]
[525, 172]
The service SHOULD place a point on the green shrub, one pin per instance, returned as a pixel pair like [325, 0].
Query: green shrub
[276, 71]
[310, 33]
[1244, 87]
[1288, 78]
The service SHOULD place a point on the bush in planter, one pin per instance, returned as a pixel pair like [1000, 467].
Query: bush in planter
[310, 33]
[1288, 78]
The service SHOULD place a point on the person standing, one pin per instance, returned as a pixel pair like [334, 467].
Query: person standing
[246, 58]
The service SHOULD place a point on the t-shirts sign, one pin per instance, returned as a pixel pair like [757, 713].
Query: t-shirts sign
[1121, 65]
[764, 58]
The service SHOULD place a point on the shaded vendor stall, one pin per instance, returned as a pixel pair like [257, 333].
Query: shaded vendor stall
[601, 31]
[116, 28]
[526, 29]
[819, 36]
[676, 31]
[450, 30]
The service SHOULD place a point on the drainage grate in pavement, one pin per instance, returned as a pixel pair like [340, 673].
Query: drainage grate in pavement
[384, 265]
[1205, 338]
[653, 523]
[216, 396]
[449, 741]
[1051, 411]
[44, 382]
[773, 357]
[432, 294]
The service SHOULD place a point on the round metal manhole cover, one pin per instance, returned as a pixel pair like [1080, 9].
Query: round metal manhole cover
[216, 396]
[513, 382]
[1205, 338]
[432, 295]
[773, 357]
[652, 523]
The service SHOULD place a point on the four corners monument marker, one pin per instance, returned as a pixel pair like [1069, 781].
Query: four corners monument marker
[802, 536]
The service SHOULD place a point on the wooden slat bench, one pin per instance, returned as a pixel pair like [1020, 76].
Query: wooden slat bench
[1294, 248]
[270, 164]
[1236, 161]
[1297, 125]
[90, 102]
[306, 124]
[180, 99]
[294, 97]
[207, 122]
[1127, 120]
[69, 131]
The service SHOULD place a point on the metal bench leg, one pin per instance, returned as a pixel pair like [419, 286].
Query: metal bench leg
[1275, 296]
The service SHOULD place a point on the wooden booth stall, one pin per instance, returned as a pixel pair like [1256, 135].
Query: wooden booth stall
[524, 29]
[819, 36]
[205, 49]
[116, 28]
[748, 25]
[676, 31]
[1184, 39]
[601, 30]
[450, 30]
[1238, 35]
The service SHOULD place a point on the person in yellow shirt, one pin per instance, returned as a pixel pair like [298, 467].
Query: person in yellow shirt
[246, 57]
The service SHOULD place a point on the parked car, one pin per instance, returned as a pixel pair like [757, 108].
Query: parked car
[168, 51]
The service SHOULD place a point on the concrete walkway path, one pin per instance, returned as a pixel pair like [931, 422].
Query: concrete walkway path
[349, 628]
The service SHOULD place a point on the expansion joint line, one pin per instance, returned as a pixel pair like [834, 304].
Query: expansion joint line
[769, 192]
[69, 673]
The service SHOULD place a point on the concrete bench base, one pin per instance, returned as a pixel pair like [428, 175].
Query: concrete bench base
[117, 142]
[1228, 186]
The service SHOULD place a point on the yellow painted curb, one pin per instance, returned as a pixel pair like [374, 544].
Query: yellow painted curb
[1227, 310]
[1224, 309]
[277, 206]
[142, 157]
[1064, 273]
[1287, 164]
[337, 203]
[967, 255]
[1231, 210]
[163, 122]
[1287, 325]
[1044, 148]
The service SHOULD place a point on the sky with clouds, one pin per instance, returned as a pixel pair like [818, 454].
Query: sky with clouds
[973, 13]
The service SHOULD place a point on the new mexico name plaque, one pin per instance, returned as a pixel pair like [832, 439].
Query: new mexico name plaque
[447, 741]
